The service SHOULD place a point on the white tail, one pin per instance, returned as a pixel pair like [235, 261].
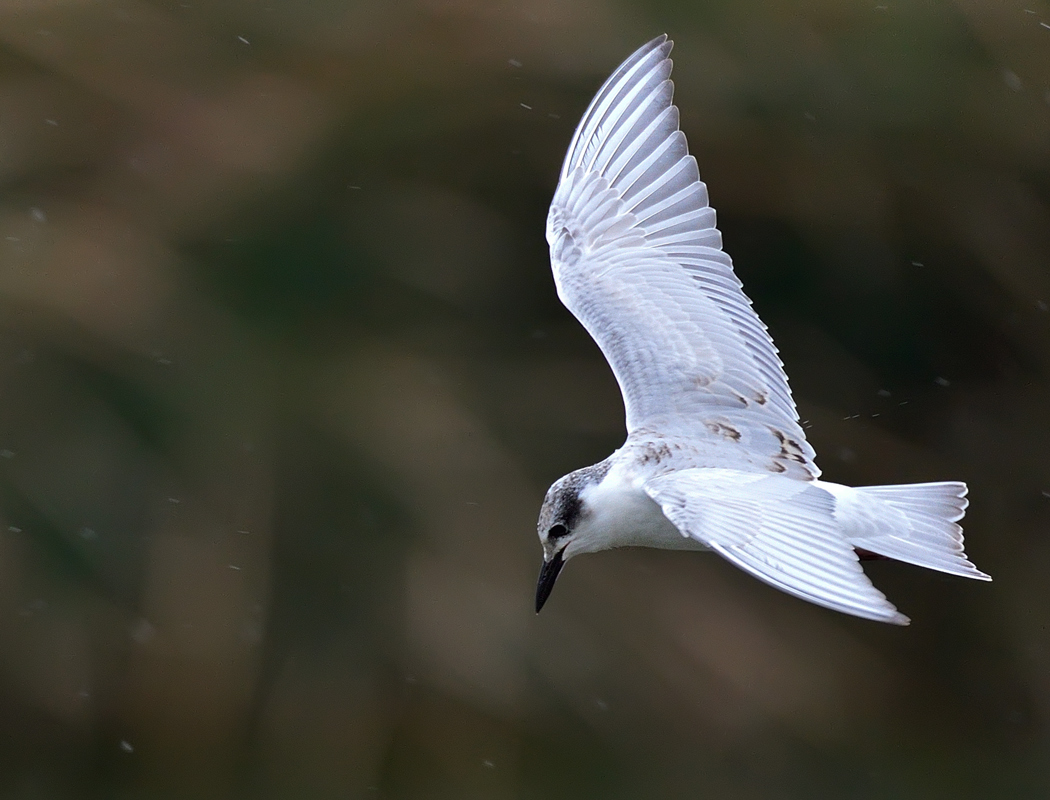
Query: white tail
[915, 522]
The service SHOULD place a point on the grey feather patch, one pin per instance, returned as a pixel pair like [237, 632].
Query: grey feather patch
[562, 504]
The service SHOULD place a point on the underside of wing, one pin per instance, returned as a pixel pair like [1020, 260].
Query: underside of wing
[638, 260]
[781, 531]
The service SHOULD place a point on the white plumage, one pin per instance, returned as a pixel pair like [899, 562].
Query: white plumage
[714, 445]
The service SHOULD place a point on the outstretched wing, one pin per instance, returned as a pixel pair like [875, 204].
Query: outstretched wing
[638, 260]
[781, 531]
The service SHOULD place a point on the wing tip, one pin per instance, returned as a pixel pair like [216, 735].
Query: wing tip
[977, 575]
[652, 44]
[661, 42]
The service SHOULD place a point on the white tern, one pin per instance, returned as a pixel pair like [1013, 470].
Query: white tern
[715, 457]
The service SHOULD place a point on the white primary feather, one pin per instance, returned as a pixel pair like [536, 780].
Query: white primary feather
[780, 530]
[638, 260]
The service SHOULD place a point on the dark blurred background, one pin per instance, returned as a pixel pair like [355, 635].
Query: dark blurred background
[283, 379]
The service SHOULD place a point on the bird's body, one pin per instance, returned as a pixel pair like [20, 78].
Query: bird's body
[715, 457]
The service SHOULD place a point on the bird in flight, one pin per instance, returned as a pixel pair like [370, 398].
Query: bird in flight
[715, 457]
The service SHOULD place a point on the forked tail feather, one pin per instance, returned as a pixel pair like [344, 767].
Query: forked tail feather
[917, 523]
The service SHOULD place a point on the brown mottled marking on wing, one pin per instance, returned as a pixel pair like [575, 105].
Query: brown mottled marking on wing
[702, 381]
[654, 453]
[789, 448]
[727, 432]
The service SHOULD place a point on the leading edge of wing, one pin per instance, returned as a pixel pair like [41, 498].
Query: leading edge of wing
[629, 210]
[779, 530]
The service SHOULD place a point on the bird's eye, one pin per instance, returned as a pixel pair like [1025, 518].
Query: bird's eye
[557, 531]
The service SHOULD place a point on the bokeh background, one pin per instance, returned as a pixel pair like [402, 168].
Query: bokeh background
[283, 379]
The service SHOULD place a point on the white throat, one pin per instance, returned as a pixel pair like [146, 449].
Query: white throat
[618, 513]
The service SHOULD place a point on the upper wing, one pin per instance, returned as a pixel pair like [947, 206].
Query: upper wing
[638, 260]
[781, 531]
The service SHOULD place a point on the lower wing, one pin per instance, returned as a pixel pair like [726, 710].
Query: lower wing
[781, 531]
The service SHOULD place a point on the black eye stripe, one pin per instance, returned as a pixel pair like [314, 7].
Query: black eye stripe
[557, 531]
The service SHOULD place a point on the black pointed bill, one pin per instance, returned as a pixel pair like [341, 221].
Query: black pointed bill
[548, 575]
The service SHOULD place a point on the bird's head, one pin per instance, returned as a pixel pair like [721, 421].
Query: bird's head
[564, 525]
